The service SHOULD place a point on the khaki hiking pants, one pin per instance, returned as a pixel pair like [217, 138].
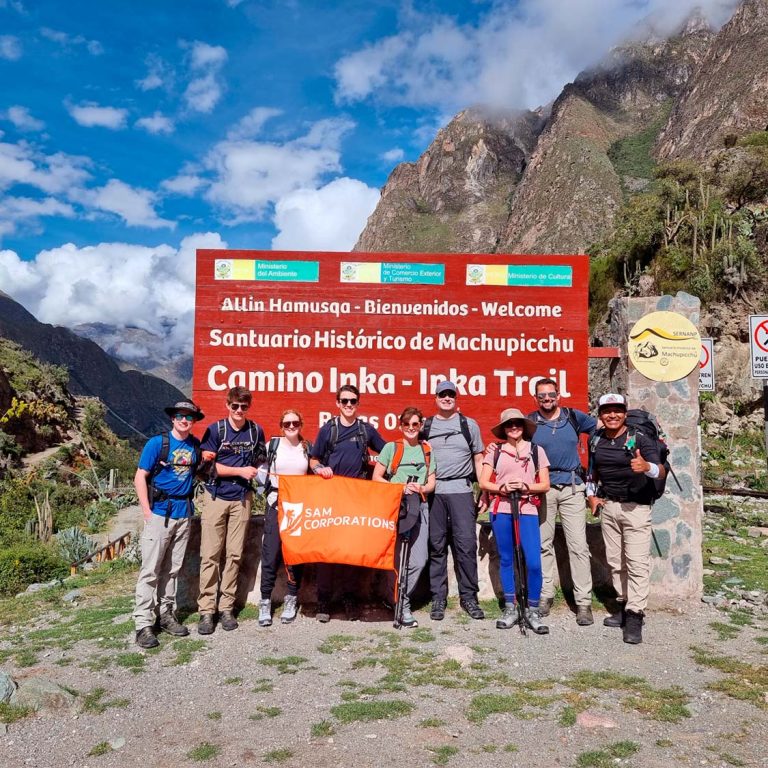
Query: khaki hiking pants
[627, 536]
[571, 506]
[223, 526]
[162, 553]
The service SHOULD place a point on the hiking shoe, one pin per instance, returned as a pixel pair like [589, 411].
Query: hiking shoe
[633, 627]
[545, 606]
[438, 610]
[290, 609]
[323, 613]
[583, 615]
[145, 638]
[228, 621]
[351, 609]
[408, 619]
[265, 612]
[205, 626]
[533, 620]
[615, 619]
[508, 618]
[471, 606]
[168, 623]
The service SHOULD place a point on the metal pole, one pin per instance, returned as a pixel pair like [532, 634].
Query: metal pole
[765, 415]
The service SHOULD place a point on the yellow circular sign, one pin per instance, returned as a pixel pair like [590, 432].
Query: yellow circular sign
[664, 346]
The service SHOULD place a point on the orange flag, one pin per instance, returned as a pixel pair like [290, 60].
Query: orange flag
[340, 520]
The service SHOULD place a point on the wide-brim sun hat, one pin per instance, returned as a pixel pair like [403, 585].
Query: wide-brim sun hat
[185, 406]
[513, 414]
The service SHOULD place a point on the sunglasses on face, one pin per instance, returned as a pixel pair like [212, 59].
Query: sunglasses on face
[447, 395]
[348, 400]
[183, 417]
[413, 425]
[239, 406]
[514, 425]
[546, 396]
[291, 424]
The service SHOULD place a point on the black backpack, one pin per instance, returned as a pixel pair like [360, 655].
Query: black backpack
[272, 446]
[464, 427]
[156, 495]
[361, 438]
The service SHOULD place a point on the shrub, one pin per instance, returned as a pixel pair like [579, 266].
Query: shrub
[26, 564]
[73, 545]
[69, 503]
[17, 508]
[97, 515]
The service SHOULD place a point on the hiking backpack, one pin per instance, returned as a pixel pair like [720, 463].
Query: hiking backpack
[464, 427]
[397, 456]
[534, 498]
[272, 446]
[361, 438]
[212, 479]
[154, 494]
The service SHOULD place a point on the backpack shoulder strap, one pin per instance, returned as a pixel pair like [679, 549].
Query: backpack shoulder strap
[572, 420]
[427, 428]
[332, 440]
[535, 458]
[496, 455]
[464, 425]
[221, 427]
[165, 449]
[397, 457]
[426, 449]
[274, 442]
[362, 434]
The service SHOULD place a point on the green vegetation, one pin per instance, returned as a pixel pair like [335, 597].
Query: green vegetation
[186, 649]
[11, 713]
[519, 704]
[432, 722]
[100, 749]
[567, 717]
[287, 665]
[443, 753]
[743, 681]
[336, 643]
[608, 755]
[214, 715]
[371, 710]
[204, 751]
[94, 702]
[322, 729]
[278, 755]
[262, 712]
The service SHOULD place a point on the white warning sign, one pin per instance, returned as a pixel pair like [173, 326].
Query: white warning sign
[706, 367]
[758, 345]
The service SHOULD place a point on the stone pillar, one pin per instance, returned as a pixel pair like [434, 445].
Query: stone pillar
[676, 570]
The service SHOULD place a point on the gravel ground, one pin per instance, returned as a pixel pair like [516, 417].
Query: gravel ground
[173, 708]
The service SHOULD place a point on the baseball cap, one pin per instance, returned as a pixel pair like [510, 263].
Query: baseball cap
[612, 399]
[445, 386]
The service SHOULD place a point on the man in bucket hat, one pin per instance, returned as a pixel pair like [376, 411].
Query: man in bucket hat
[164, 484]
[621, 461]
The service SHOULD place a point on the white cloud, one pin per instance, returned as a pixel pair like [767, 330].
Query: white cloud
[10, 47]
[326, 219]
[92, 115]
[394, 155]
[94, 47]
[53, 174]
[135, 206]
[250, 175]
[16, 212]
[156, 124]
[159, 74]
[250, 126]
[206, 86]
[22, 118]
[184, 184]
[115, 283]
[518, 55]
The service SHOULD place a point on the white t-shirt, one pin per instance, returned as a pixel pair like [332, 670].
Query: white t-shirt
[289, 460]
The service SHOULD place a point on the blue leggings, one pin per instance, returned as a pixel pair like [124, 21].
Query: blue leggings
[529, 536]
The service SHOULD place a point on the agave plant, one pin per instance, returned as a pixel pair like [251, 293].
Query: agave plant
[74, 545]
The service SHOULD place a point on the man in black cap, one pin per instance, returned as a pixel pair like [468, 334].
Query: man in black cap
[164, 484]
[458, 450]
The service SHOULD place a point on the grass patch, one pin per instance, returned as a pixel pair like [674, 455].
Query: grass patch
[12, 713]
[100, 749]
[287, 665]
[724, 631]
[321, 730]
[443, 753]
[265, 686]
[93, 701]
[334, 643]
[489, 748]
[743, 681]
[134, 661]
[421, 635]
[25, 658]
[214, 715]
[185, 651]
[367, 711]
[233, 681]
[518, 704]
[608, 755]
[432, 722]
[204, 751]
[511, 748]
[567, 716]
[665, 743]
[731, 759]
[278, 755]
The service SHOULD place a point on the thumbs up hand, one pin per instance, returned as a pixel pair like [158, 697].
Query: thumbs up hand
[638, 463]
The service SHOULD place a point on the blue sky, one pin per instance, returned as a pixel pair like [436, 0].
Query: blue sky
[133, 132]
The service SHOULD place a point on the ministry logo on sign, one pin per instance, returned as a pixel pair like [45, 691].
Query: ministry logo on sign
[293, 513]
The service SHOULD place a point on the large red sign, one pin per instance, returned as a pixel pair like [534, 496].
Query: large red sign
[293, 326]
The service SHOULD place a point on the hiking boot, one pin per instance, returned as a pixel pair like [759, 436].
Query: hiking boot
[472, 608]
[583, 615]
[533, 620]
[615, 619]
[145, 638]
[228, 621]
[265, 612]
[438, 610]
[633, 627]
[408, 619]
[351, 609]
[508, 618]
[290, 609]
[169, 624]
[205, 626]
[545, 606]
[323, 613]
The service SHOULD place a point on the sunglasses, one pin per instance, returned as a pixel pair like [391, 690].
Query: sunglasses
[348, 400]
[515, 424]
[412, 425]
[547, 396]
[183, 417]
[449, 395]
[291, 424]
[239, 406]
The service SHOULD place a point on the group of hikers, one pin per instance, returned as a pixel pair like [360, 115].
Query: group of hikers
[532, 475]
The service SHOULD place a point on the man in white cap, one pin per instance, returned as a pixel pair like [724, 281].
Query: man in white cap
[164, 483]
[623, 461]
[458, 450]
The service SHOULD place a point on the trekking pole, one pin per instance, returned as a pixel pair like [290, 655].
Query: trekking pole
[521, 575]
[402, 579]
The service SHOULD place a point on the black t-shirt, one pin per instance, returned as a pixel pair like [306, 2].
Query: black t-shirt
[346, 459]
[613, 466]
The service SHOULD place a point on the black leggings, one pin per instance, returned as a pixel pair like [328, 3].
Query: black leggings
[271, 553]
